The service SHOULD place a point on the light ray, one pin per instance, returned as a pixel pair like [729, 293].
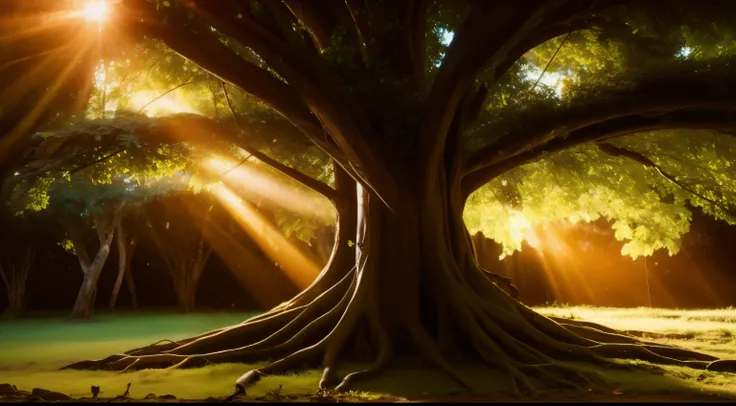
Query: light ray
[296, 266]
[98, 11]
[167, 105]
[262, 187]
[27, 122]
[253, 271]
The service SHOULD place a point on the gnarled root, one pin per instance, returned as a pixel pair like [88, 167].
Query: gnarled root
[537, 352]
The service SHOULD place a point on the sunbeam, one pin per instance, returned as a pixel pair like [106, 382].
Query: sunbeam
[296, 266]
[97, 11]
[266, 189]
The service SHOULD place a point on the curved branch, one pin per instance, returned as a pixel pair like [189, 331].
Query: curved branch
[319, 187]
[308, 76]
[650, 95]
[613, 150]
[501, 23]
[509, 30]
[723, 121]
[321, 19]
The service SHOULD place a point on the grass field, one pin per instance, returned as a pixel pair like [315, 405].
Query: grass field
[32, 350]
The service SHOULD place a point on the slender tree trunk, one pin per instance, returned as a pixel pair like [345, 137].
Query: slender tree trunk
[129, 281]
[122, 243]
[85, 302]
[14, 274]
[186, 290]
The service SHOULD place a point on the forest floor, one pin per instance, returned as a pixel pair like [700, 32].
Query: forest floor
[32, 350]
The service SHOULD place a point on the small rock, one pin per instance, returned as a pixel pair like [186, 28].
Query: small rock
[150, 396]
[618, 392]
[49, 395]
[171, 397]
[7, 389]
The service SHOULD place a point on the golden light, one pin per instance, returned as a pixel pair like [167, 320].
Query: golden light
[162, 106]
[97, 11]
[241, 260]
[296, 266]
[267, 189]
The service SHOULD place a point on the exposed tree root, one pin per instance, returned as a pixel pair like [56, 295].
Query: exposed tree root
[535, 351]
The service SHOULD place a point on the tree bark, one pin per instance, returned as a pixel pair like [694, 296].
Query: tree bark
[413, 287]
[125, 248]
[14, 274]
[84, 305]
[129, 281]
[186, 290]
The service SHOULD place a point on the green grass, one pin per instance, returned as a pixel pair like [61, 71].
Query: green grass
[32, 350]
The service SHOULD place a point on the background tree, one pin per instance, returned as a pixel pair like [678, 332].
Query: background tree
[92, 189]
[16, 260]
[126, 243]
[176, 225]
[420, 126]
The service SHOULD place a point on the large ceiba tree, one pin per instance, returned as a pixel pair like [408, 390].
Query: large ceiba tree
[371, 84]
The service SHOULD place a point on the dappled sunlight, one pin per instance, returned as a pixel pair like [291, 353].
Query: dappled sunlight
[298, 267]
[258, 186]
[650, 319]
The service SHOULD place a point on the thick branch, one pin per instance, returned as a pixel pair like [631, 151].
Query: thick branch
[570, 17]
[416, 37]
[319, 187]
[314, 184]
[359, 14]
[321, 19]
[318, 89]
[651, 96]
[724, 121]
[207, 51]
[500, 26]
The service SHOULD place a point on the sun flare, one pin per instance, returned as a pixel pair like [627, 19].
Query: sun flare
[96, 11]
